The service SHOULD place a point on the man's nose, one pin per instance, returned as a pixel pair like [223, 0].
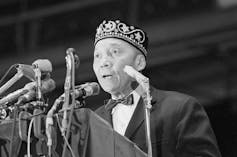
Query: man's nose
[106, 62]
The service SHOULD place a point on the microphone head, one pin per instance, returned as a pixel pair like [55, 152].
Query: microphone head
[140, 78]
[129, 70]
[44, 65]
[48, 85]
[92, 88]
[87, 89]
[76, 58]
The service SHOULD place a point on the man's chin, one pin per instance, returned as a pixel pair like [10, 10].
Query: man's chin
[109, 88]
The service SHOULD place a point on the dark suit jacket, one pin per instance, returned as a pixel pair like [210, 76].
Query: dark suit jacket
[179, 126]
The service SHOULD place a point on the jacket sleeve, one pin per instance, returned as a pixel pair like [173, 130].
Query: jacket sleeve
[195, 137]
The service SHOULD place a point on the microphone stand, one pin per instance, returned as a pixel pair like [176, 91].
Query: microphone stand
[38, 85]
[71, 60]
[15, 112]
[67, 86]
[39, 103]
[147, 107]
[38, 109]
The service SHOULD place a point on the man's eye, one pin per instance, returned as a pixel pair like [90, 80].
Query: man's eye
[97, 55]
[115, 51]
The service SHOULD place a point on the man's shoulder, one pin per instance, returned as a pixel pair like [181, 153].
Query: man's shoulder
[173, 104]
[173, 100]
[164, 95]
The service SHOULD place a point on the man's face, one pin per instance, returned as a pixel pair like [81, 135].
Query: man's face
[110, 57]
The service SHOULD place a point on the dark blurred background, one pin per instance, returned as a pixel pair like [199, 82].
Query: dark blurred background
[193, 46]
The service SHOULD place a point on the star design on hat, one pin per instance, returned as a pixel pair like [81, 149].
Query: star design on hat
[108, 26]
[138, 36]
[125, 28]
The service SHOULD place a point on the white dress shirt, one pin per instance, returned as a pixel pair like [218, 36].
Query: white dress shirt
[122, 114]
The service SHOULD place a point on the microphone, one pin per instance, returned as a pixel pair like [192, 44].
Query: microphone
[46, 87]
[140, 78]
[87, 89]
[84, 90]
[81, 91]
[44, 65]
[14, 95]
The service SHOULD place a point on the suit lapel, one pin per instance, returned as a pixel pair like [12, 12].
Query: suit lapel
[136, 120]
[139, 115]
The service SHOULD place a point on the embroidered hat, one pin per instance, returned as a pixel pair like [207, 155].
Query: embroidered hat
[120, 30]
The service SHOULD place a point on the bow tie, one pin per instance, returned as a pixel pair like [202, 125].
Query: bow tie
[111, 103]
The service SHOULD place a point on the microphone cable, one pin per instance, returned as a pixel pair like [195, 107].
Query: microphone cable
[64, 137]
[28, 136]
[15, 112]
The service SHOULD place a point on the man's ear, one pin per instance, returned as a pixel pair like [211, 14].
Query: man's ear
[140, 62]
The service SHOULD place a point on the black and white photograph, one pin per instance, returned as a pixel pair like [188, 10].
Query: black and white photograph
[118, 78]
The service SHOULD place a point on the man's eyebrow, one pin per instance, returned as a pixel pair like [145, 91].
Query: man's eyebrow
[114, 44]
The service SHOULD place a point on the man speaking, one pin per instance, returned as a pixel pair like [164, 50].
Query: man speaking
[179, 125]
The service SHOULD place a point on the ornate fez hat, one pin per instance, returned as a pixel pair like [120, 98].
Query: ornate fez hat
[117, 29]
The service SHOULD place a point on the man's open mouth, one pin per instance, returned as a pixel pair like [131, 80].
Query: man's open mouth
[107, 76]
